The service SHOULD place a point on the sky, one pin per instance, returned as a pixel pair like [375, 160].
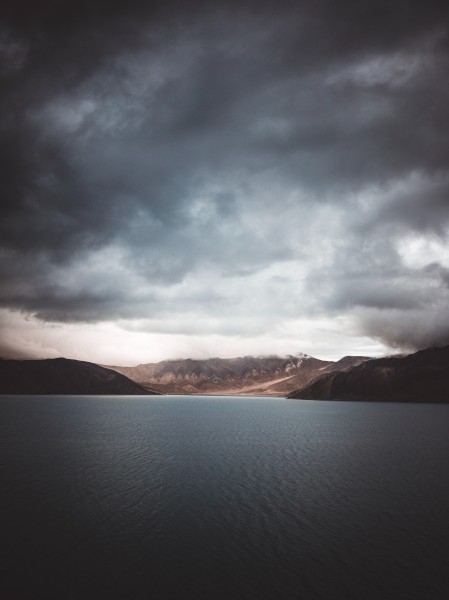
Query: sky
[223, 178]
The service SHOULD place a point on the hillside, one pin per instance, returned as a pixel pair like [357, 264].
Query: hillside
[63, 376]
[419, 377]
[248, 375]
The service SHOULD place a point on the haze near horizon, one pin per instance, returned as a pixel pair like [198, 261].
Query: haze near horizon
[223, 180]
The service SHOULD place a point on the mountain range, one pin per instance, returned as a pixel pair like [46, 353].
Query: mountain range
[247, 375]
[419, 377]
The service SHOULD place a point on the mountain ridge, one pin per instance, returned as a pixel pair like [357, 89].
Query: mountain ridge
[418, 377]
[64, 376]
[247, 375]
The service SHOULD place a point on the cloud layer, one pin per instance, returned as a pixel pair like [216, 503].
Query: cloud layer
[227, 171]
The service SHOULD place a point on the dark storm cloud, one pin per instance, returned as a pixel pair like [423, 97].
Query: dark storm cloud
[421, 207]
[144, 145]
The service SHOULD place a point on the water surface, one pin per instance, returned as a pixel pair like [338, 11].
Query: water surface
[215, 497]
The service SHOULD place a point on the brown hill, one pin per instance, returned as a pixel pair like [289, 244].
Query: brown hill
[419, 377]
[345, 363]
[63, 376]
[247, 375]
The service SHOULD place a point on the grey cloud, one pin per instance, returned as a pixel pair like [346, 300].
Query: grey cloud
[216, 142]
[407, 290]
[405, 306]
[412, 330]
[420, 206]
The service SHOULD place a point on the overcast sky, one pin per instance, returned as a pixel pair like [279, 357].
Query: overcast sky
[242, 178]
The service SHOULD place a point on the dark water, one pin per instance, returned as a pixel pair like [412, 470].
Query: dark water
[236, 498]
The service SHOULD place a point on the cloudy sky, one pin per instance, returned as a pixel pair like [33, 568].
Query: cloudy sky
[237, 178]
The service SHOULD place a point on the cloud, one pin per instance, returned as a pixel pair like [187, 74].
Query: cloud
[229, 168]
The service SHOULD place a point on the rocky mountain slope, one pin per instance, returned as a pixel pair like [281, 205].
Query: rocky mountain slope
[419, 377]
[63, 376]
[248, 375]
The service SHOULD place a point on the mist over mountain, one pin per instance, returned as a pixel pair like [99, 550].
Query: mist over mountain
[419, 377]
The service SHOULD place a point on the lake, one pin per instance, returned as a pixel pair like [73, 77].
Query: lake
[223, 498]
